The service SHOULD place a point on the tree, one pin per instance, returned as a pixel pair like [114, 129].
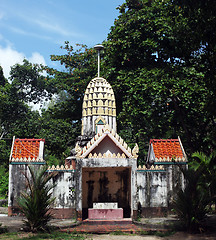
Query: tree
[156, 56]
[35, 204]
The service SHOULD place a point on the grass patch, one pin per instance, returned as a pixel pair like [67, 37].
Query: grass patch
[39, 236]
[157, 233]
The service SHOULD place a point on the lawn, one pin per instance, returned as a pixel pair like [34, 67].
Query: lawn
[38, 236]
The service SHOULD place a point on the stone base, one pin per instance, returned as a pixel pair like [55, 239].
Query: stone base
[63, 213]
[105, 213]
[58, 213]
[149, 212]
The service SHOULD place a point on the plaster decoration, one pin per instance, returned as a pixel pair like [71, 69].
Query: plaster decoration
[62, 168]
[100, 96]
[96, 137]
[125, 145]
[100, 119]
[106, 128]
[94, 103]
[109, 155]
[117, 137]
[123, 155]
[84, 149]
[129, 150]
[94, 112]
[84, 113]
[89, 104]
[100, 103]
[113, 132]
[121, 141]
[114, 155]
[78, 150]
[100, 111]
[89, 112]
[118, 155]
[99, 155]
[95, 155]
[90, 155]
[135, 151]
[104, 155]
[71, 167]
[88, 145]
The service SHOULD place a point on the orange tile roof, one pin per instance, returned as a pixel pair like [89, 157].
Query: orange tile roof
[26, 148]
[164, 148]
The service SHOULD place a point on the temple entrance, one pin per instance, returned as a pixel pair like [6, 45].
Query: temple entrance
[106, 185]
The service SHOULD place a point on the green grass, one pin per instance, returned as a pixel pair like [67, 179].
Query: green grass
[157, 233]
[38, 236]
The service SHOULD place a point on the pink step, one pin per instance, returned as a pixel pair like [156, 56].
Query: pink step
[105, 213]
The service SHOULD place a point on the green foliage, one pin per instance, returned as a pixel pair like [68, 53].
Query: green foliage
[191, 204]
[3, 182]
[35, 204]
[52, 235]
[28, 83]
[2, 229]
[160, 70]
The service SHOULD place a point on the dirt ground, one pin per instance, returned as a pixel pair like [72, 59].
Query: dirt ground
[14, 224]
[176, 236]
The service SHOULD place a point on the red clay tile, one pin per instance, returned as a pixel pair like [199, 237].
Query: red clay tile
[167, 148]
[25, 148]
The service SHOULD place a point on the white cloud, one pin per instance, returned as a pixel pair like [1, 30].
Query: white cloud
[37, 58]
[9, 57]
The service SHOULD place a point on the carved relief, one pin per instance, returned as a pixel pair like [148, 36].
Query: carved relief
[135, 151]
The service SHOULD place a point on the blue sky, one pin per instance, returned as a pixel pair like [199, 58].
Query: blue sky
[35, 29]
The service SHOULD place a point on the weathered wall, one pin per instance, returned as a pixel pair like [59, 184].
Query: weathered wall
[64, 190]
[104, 180]
[64, 193]
[152, 188]
[17, 184]
[157, 189]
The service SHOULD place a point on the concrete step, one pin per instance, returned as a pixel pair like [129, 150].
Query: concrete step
[122, 221]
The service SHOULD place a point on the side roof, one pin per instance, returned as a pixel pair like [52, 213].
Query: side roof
[166, 150]
[27, 150]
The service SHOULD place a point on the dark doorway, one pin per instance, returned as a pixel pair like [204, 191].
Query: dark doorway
[111, 184]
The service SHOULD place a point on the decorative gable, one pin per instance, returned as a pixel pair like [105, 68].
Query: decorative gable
[27, 150]
[106, 144]
[166, 150]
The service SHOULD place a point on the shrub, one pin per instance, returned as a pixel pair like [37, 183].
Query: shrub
[35, 204]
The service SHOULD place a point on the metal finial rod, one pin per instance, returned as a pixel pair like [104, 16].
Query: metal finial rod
[98, 48]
